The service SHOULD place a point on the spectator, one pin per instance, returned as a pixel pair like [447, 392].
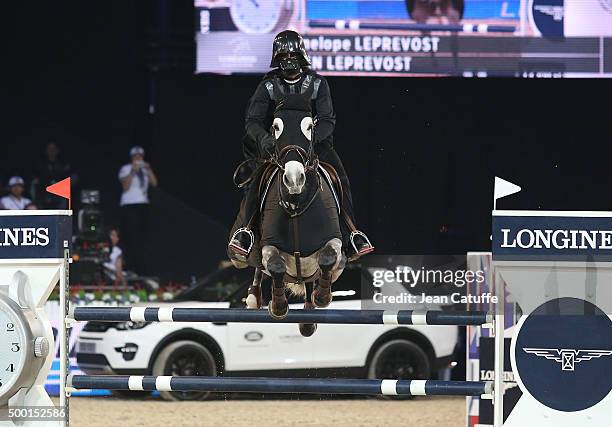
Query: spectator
[15, 199]
[51, 170]
[135, 178]
[115, 261]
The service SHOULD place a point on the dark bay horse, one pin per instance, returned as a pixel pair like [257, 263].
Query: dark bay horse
[299, 237]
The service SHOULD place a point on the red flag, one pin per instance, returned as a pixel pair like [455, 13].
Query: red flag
[61, 189]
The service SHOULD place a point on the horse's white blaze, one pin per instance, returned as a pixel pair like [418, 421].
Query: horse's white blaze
[278, 127]
[294, 177]
[306, 126]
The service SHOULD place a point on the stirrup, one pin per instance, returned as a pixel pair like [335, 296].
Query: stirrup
[358, 253]
[240, 249]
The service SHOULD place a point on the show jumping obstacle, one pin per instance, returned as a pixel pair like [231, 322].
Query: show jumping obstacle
[236, 315]
[386, 387]
[282, 385]
[543, 280]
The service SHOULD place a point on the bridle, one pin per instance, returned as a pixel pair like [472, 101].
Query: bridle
[308, 159]
[311, 165]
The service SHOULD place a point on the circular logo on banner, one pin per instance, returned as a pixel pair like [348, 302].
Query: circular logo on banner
[563, 354]
[546, 17]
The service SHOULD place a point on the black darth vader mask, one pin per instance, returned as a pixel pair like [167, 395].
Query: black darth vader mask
[290, 67]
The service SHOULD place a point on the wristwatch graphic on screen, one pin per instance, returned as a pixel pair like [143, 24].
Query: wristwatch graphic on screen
[260, 16]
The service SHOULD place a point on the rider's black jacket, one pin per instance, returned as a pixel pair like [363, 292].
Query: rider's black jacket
[259, 116]
[261, 106]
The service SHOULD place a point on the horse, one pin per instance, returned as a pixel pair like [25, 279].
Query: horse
[300, 242]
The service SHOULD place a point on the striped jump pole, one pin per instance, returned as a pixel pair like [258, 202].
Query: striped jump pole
[282, 385]
[460, 28]
[237, 315]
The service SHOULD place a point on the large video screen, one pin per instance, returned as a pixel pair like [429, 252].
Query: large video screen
[471, 38]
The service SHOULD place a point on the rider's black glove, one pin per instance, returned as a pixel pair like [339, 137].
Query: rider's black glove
[267, 143]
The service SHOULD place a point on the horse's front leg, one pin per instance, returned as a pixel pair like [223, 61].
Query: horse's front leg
[277, 267]
[329, 258]
[254, 297]
[307, 329]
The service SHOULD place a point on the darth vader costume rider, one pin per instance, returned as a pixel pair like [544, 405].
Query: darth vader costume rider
[290, 77]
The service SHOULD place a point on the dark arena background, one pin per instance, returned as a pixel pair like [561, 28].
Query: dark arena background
[98, 77]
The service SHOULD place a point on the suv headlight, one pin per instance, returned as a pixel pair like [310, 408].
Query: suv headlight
[130, 326]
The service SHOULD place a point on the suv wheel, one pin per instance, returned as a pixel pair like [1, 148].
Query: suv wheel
[399, 359]
[185, 358]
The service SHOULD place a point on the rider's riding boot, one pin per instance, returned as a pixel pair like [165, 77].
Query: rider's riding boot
[361, 245]
[241, 243]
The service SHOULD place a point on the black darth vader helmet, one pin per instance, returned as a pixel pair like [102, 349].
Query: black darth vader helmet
[289, 42]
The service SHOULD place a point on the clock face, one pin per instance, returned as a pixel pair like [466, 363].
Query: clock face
[12, 347]
[256, 16]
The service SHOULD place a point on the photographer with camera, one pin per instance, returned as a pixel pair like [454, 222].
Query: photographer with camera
[15, 198]
[135, 178]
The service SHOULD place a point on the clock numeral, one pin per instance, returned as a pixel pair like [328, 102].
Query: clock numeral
[16, 347]
[10, 327]
[11, 368]
[0, 383]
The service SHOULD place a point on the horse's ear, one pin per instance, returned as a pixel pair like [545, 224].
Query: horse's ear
[278, 127]
[306, 126]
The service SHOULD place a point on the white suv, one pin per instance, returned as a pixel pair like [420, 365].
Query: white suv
[263, 349]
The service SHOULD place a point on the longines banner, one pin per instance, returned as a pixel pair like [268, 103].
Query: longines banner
[33, 236]
[557, 238]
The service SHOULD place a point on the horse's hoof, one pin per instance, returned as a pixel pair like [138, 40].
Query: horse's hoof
[251, 301]
[254, 297]
[308, 329]
[322, 304]
[321, 296]
[276, 314]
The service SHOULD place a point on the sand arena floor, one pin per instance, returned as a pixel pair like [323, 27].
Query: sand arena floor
[152, 412]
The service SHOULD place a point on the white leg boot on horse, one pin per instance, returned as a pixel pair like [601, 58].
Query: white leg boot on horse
[254, 296]
[276, 267]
